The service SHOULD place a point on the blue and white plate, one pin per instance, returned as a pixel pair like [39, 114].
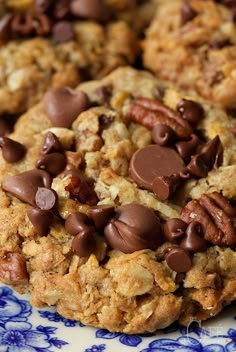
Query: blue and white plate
[25, 329]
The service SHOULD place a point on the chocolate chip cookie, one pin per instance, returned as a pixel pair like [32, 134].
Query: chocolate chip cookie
[41, 49]
[192, 43]
[94, 220]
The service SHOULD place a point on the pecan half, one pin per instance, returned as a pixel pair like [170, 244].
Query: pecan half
[13, 268]
[216, 216]
[149, 112]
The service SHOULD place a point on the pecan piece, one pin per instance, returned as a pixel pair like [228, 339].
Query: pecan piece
[149, 112]
[216, 216]
[13, 268]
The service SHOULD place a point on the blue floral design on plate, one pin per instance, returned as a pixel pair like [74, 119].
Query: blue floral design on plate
[57, 318]
[20, 337]
[128, 340]
[96, 348]
[11, 308]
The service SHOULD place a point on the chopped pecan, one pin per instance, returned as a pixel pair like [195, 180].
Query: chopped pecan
[149, 112]
[216, 216]
[13, 268]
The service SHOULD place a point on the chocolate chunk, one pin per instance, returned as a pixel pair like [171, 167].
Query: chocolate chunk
[190, 110]
[188, 148]
[51, 144]
[13, 269]
[63, 105]
[174, 229]
[63, 32]
[53, 163]
[84, 243]
[12, 151]
[89, 9]
[100, 215]
[178, 259]
[164, 187]
[25, 185]
[76, 222]
[194, 241]
[46, 198]
[41, 220]
[5, 27]
[152, 161]
[162, 134]
[187, 13]
[43, 5]
[135, 227]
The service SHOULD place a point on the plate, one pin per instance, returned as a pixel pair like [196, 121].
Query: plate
[26, 329]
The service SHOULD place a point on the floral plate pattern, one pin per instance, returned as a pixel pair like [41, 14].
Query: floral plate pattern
[26, 329]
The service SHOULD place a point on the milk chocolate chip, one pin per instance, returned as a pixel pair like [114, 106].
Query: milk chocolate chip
[190, 110]
[53, 163]
[162, 134]
[41, 220]
[63, 105]
[152, 161]
[89, 9]
[178, 259]
[45, 198]
[164, 187]
[174, 229]
[51, 144]
[25, 185]
[100, 215]
[12, 151]
[194, 241]
[76, 222]
[84, 243]
[135, 227]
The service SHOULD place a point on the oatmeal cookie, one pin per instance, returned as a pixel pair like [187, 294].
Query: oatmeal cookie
[192, 43]
[83, 228]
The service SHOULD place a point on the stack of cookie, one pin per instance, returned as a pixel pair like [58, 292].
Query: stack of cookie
[118, 158]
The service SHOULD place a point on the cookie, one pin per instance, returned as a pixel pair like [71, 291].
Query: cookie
[93, 224]
[193, 44]
[38, 52]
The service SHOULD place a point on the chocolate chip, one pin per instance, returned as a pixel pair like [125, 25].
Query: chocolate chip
[25, 185]
[51, 144]
[212, 153]
[46, 198]
[187, 13]
[12, 151]
[197, 166]
[152, 161]
[135, 227]
[194, 241]
[190, 110]
[41, 220]
[5, 26]
[174, 229]
[100, 215]
[76, 222]
[63, 32]
[162, 134]
[84, 243]
[13, 268]
[63, 105]
[188, 148]
[89, 9]
[178, 259]
[43, 5]
[164, 187]
[53, 163]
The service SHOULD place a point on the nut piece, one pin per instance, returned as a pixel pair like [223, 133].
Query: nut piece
[13, 269]
[216, 216]
[149, 112]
